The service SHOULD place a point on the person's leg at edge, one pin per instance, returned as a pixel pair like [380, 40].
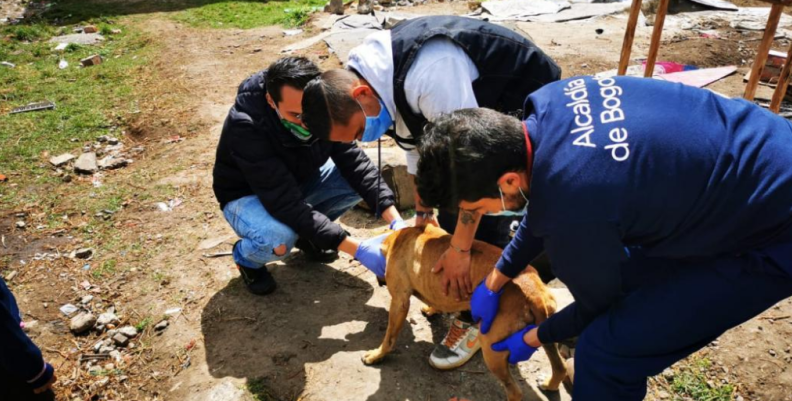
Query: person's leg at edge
[670, 317]
[263, 239]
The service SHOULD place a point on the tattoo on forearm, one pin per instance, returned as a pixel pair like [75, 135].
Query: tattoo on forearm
[467, 218]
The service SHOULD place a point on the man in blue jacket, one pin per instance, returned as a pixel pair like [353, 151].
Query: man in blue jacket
[24, 375]
[280, 187]
[666, 210]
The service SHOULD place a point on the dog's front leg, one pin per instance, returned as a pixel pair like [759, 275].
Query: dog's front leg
[400, 305]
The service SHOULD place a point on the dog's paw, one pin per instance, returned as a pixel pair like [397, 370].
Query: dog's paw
[372, 357]
[428, 311]
[547, 385]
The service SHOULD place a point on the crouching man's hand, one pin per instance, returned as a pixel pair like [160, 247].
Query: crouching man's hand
[516, 344]
[369, 253]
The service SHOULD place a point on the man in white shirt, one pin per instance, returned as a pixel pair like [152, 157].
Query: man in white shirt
[423, 68]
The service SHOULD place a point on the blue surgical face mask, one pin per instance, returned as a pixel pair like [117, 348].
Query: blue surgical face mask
[377, 126]
[506, 212]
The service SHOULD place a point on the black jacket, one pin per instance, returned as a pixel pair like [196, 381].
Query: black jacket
[258, 155]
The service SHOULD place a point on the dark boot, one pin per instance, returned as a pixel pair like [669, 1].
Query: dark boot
[258, 281]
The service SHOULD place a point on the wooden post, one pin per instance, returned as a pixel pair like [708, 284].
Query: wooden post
[764, 49]
[783, 82]
[657, 33]
[629, 35]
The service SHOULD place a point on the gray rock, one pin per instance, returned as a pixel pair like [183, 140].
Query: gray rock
[82, 322]
[120, 340]
[394, 173]
[668, 374]
[20, 224]
[112, 140]
[79, 38]
[86, 163]
[58, 161]
[102, 139]
[106, 349]
[107, 318]
[161, 325]
[128, 331]
[98, 345]
[112, 163]
[86, 299]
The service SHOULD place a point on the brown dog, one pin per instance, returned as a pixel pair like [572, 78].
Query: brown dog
[412, 252]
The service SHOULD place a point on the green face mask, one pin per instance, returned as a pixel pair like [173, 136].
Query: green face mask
[296, 129]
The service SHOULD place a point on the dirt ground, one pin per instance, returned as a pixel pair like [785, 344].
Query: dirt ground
[304, 342]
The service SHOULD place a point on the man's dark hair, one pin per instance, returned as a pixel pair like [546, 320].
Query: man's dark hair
[463, 154]
[328, 100]
[292, 71]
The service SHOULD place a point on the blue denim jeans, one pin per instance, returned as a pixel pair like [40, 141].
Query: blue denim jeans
[328, 192]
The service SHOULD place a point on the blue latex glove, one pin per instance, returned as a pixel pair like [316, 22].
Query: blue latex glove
[518, 350]
[369, 254]
[484, 306]
[397, 224]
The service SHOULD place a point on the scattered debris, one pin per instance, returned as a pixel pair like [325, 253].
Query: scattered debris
[161, 326]
[128, 331]
[578, 11]
[173, 311]
[61, 160]
[82, 253]
[210, 243]
[10, 276]
[292, 32]
[120, 340]
[667, 67]
[86, 164]
[699, 78]
[20, 225]
[167, 207]
[217, 255]
[115, 31]
[63, 64]
[174, 139]
[82, 322]
[106, 319]
[520, 10]
[7, 64]
[86, 299]
[3, 178]
[61, 47]
[94, 59]
[46, 105]
[111, 162]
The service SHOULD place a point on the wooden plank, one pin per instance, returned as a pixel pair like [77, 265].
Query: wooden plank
[657, 33]
[783, 82]
[764, 49]
[629, 35]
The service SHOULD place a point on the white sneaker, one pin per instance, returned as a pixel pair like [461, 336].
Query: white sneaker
[459, 345]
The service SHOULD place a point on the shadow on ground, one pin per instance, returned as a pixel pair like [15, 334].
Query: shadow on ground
[306, 339]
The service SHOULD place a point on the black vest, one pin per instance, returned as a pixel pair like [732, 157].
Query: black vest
[510, 66]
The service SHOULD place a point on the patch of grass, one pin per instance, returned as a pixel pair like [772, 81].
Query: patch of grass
[692, 382]
[89, 101]
[248, 14]
[143, 324]
[108, 267]
[259, 390]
